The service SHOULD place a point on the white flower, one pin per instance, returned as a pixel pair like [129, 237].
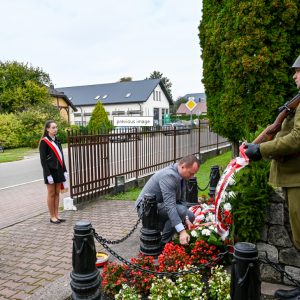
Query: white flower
[204, 206]
[231, 194]
[227, 207]
[211, 227]
[206, 232]
[210, 217]
[231, 181]
[194, 233]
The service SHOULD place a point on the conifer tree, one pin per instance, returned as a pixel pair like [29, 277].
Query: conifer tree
[99, 115]
[247, 47]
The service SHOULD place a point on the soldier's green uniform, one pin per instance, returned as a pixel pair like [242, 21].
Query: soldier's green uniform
[287, 174]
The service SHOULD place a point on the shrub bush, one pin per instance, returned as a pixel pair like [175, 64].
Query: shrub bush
[62, 135]
[34, 144]
[11, 131]
[30, 138]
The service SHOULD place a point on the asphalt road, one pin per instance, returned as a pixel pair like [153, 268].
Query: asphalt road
[23, 171]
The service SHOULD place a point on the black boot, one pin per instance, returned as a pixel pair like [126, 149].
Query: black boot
[288, 294]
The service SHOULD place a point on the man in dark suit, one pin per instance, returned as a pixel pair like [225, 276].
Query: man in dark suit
[169, 186]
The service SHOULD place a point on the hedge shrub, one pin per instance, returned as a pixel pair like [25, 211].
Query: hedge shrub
[247, 47]
[11, 131]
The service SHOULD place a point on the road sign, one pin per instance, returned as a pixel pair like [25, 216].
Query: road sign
[191, 104]
[198, 112]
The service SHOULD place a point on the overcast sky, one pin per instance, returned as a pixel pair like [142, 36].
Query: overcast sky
[92, 42]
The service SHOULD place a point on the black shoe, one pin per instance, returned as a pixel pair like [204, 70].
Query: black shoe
[288, 294]
[61, 220]
[55, 222]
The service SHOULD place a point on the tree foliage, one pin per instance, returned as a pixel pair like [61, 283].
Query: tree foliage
[125, 79]
[247, 47]
[22, 86]
[177, 103]
[99, 115]
[165, 80]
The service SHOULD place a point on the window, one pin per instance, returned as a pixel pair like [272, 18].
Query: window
[163, 113]
[156, 113]
[128, 95]
[167, 111]
[105, 96]
[154, 95]
[97, 97]
[159, 96]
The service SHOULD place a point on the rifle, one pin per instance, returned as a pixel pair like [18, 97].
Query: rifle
[288, 109]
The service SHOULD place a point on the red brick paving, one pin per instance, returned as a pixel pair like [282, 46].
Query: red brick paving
[34, 252]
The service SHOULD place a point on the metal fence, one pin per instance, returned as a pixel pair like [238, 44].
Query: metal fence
[96, 158]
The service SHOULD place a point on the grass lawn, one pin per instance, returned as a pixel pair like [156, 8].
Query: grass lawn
[204, 171]
[16, 154]
[202, 177]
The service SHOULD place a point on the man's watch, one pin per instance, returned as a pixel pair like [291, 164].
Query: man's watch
[187, 217]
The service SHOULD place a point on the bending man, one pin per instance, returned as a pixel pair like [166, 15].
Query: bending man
[169, 186]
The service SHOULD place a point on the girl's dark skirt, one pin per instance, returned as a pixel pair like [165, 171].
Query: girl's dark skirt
[57, 174]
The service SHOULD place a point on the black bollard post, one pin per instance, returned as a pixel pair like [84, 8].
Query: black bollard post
[214, 179]
[150, 234]
[245, 273]
[191, 193]
[85, 276]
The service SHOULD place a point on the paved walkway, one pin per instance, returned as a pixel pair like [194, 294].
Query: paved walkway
[24, 201]
[35, 253]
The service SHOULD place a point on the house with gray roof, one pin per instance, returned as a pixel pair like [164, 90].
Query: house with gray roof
[64, 104]
[198, 97]
[129, 98]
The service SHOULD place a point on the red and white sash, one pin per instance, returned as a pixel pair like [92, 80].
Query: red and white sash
[54, 147]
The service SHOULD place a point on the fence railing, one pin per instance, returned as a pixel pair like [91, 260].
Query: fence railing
[96, 158]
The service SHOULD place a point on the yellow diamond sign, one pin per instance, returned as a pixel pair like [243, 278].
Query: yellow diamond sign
[191, 104]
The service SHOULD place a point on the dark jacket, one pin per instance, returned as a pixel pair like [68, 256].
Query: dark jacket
[49, 159]
[166, 185]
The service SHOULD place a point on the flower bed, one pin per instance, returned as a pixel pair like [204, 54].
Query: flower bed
[119, 282]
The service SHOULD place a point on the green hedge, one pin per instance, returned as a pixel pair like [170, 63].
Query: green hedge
[11, 131]
[21, 128]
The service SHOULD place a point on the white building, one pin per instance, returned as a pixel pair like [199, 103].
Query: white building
[130, 98]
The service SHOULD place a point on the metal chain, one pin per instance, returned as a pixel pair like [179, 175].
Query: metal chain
[210, 178]
[171, 274]
[190, 189]
[276, 267]
[125, 237]
[202, 190]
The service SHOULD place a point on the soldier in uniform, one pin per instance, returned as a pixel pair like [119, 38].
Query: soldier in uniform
[285, 174]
